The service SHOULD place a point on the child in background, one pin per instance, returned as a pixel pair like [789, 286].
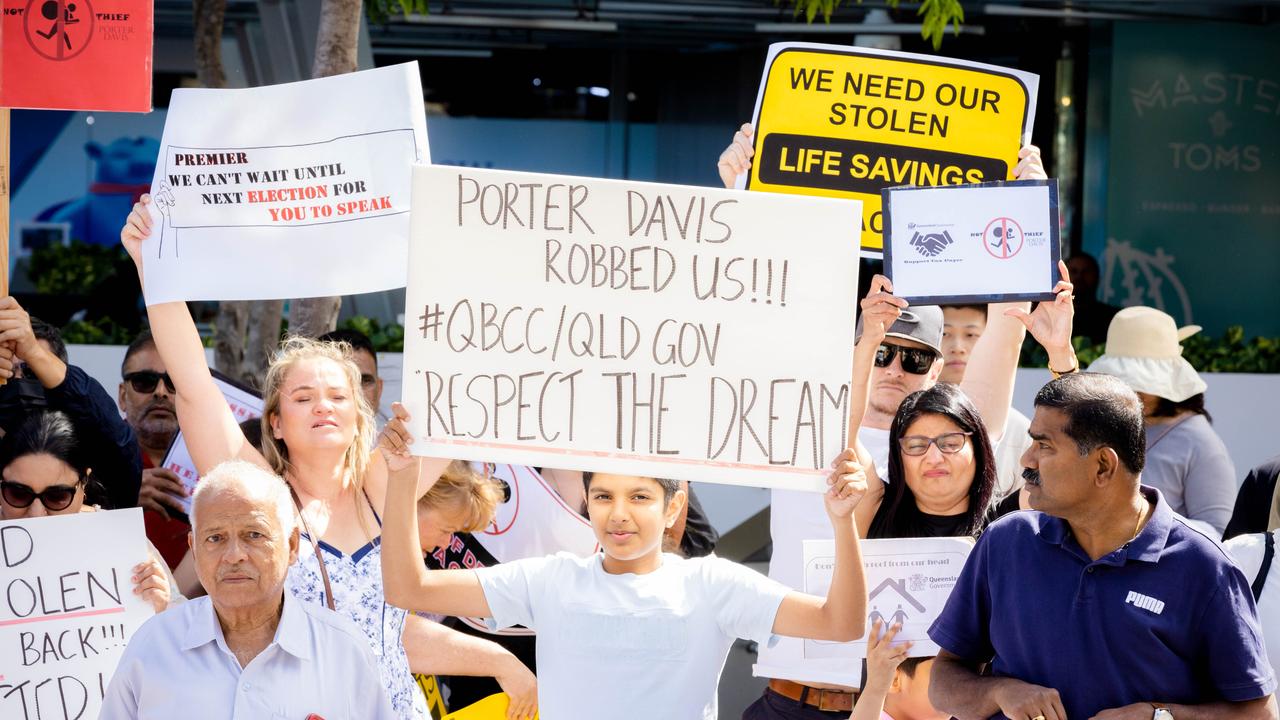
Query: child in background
[897, 686]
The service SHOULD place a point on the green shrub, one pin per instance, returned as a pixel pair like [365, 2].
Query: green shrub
[1230, 353]
[103, 331]
[385, 338]
[75, 269]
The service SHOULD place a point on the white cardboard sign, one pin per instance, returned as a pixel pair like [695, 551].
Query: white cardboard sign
[284, 191]
[908, 581]
[67, 610]
[638, 328]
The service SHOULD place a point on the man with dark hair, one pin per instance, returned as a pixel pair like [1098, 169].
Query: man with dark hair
[1103, 603]
[47, 380]
[146, 397]
[365, 358]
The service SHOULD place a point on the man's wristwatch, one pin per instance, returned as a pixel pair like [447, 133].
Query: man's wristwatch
[1161, 713]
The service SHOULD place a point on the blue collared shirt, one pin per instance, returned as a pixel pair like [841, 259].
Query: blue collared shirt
[1165, 618]
[178, 665]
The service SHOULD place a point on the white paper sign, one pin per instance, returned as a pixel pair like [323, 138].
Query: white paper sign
[992, 242]
[244, 404]
[294, 190]
[628, 327]
[67, 610]
[908, 581]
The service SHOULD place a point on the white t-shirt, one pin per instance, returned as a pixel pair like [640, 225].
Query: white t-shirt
[1008, 452]
[796, 516]
[532, 522]
[1247, 551]
[631, 646]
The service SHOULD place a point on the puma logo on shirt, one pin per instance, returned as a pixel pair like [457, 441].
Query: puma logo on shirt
[1145, 602]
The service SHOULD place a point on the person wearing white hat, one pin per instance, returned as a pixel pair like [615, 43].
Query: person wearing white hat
[1186, 459]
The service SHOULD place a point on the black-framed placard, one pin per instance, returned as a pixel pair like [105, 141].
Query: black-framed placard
[972, 244]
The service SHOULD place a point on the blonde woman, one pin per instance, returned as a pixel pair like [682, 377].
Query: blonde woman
[461, 501]
[318, 433]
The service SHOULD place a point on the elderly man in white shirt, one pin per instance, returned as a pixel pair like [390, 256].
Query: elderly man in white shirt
[248, 650]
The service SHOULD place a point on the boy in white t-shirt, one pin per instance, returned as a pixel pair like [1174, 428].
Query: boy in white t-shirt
[629, 632]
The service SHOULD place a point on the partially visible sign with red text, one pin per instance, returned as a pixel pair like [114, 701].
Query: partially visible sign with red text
[77, 55]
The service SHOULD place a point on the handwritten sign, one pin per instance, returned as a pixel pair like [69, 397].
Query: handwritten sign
[994, 242]
[847, 122]
[77, 55]
[629, 327]
[295, 190]
[245, 404]
[67, 610]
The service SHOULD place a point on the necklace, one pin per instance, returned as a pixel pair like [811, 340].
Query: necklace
[1137, 527]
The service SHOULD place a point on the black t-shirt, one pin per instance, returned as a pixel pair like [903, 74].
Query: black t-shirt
[1253, 502]
[921, 524]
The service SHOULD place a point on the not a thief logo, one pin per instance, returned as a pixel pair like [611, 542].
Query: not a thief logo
[931, 244]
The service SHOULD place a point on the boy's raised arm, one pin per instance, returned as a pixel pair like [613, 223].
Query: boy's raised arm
[841, 615]
[405, 579]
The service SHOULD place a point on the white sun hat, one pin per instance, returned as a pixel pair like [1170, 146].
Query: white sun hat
[1143, 350]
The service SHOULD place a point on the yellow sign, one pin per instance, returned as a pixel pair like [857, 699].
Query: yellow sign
[431, 689]
[847, 122]
[493, 707]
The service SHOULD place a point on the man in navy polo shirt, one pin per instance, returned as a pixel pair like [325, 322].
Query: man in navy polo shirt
[1104, 603]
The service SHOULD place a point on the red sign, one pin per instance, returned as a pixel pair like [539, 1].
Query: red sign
[76, 55]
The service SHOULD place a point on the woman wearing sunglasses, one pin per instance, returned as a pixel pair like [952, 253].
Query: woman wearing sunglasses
[44, 470]
[318, 433]
[941, 469]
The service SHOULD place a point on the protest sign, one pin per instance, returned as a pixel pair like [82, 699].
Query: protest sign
[76, 55]
[628, 327]
[908, 582]
[992, 242]
[286, 191]
[847, 122]
[493, 707]
[68, 610]
[245, 404]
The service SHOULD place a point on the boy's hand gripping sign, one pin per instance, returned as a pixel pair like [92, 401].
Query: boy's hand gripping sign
[847, 122]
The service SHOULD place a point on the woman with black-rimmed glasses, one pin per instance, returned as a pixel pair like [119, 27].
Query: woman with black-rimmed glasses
[45, 471]
[942, 470]
[941, 466]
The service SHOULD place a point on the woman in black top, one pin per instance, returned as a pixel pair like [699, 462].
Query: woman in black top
[941, 467]
[942, 471]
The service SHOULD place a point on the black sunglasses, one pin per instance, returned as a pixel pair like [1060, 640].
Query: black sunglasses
[916, 361]
[54, 497]
[145, 381]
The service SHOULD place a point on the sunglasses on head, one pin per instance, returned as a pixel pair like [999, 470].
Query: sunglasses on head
[145, 381]
[54, 497]
[916, 361]
[949, 443]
